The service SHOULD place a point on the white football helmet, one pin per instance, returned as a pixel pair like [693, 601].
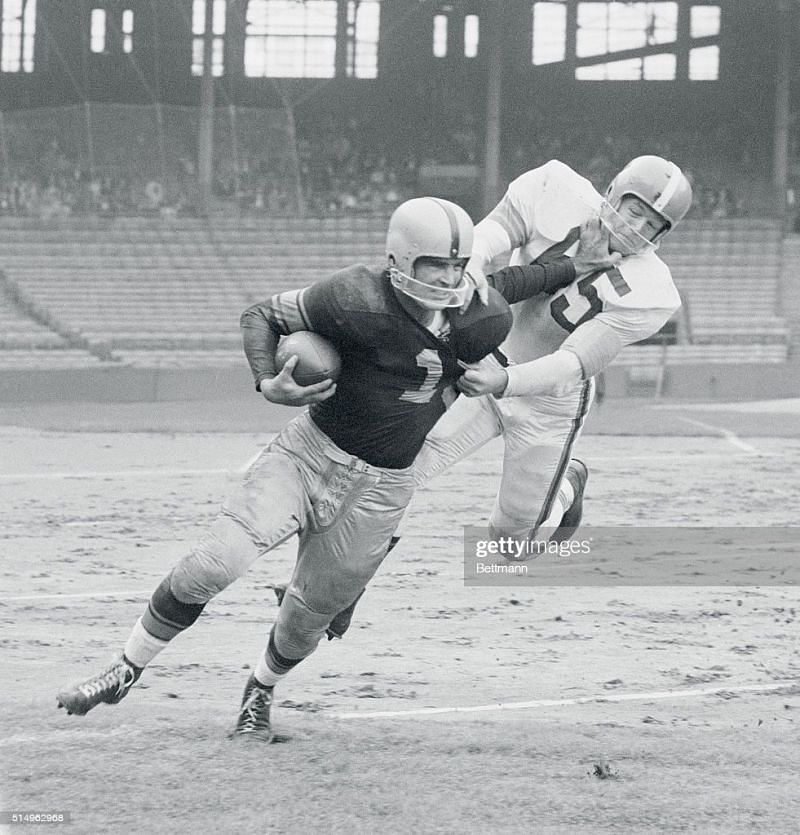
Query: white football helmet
[657, 182]
[434, 228]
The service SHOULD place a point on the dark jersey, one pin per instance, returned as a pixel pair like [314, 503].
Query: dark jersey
[396, 377]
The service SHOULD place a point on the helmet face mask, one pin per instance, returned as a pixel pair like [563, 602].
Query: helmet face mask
[625, 239]
[429, 228]
[428, 295]
[660, 185]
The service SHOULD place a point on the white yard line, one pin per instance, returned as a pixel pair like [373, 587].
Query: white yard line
[655, 695]
[788, 405]
[729, 436]
[746, 451]
[247, 464]
[78, 733]
[673, 456]
[78, 595]
[149, 473]
[161, 471]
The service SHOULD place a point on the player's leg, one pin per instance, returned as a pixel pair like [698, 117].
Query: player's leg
[262, 512]
[340, 550]
[541, 482]
[469, 424]
[341, 622]
[464, 428]
[572, 489]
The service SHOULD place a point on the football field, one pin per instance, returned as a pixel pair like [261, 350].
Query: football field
[560, 707]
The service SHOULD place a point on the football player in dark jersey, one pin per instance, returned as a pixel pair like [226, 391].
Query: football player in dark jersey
[340, 475]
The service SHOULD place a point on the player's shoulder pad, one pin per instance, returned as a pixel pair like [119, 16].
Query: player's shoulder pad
[554, 174]
[651, 280]
[481, 328]
[553, 199]
[359, 289]
[561, 177]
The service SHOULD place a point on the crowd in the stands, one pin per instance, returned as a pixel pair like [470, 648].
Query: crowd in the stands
[339, 169]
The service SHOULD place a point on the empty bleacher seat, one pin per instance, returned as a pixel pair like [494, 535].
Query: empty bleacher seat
[171, 291]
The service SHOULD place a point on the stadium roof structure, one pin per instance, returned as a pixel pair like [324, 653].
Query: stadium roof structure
[391, 65]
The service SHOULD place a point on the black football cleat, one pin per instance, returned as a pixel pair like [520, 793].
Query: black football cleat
[109, 687]
[254, 718]
[577, 474]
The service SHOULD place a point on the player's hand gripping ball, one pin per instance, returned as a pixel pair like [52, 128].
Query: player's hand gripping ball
[318, 358]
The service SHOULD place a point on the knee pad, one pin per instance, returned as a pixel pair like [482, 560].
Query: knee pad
[278, 663]
[222, 555]
[298, 629]
[166, 616]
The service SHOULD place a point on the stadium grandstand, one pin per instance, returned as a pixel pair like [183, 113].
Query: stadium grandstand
[166, 164]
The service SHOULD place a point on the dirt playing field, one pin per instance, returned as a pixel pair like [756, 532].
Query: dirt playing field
[556, 708]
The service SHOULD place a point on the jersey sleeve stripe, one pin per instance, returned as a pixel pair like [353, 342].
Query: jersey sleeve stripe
[288, 311]
[507, 216]
[301, 308]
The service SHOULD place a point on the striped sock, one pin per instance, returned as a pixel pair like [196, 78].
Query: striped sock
[166, 616]
[142, 647]
[265, 676]
[272, 666]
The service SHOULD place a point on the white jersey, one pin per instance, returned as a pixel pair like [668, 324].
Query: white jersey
[541, 213]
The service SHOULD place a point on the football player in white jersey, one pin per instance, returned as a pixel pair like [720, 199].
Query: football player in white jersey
[537, 390]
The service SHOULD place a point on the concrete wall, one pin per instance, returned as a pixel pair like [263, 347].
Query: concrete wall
[123, 385]
[717, 381]
[710, 381]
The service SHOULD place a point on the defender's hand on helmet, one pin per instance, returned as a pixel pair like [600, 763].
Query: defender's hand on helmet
[593, 254]
[282, 389]
[476, 280]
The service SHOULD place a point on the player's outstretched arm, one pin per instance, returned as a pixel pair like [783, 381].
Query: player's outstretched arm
[515, 284]
[283, 389]
[521, 282]
[588, 350]
[484, 377]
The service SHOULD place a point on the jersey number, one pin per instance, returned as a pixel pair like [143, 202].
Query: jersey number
[563, 310]
[428, 360]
